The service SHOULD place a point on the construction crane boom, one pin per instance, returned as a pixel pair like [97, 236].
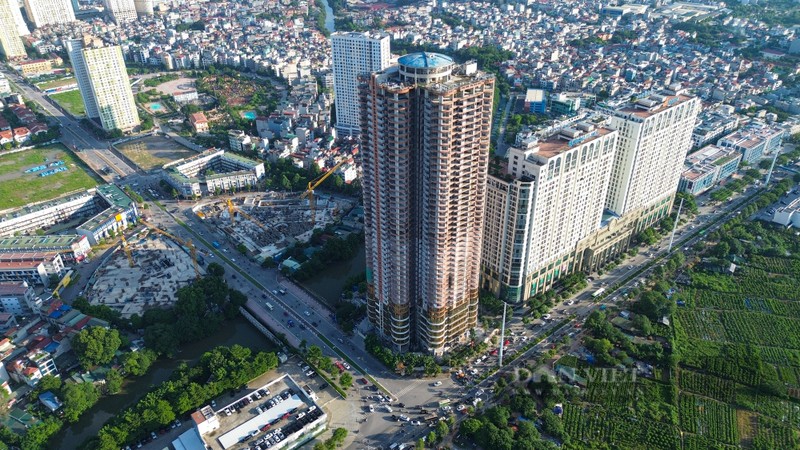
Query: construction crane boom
[235, 209]
[231, 211]
[313, 184]
[187, 244]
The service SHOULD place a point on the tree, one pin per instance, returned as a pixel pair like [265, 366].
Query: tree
[77, 398]
[431, 439]
[215, 270]
[314, 354]
[643, 324]
[113, 381]
[96, 345]
[442, 429]
[37, 436]
[137, 363]
[346, 380]
[420, 444]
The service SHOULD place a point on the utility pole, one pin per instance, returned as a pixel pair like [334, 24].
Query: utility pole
[772, 166]
[502, 334]
[675, 227]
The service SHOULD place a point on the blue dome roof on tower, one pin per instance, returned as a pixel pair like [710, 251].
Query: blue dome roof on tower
[425, 60]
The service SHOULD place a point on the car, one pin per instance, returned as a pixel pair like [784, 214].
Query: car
[307, 314]
[323, 386]
[546, 317]
[371, 408]
[404, 418]
[153, 435]
[308, 373]
[387, 408]
[275, 291]
[228, 411]
[416, 423]
[362, 380]
[346, 366]
[282, 291]
[213, 404]
[437, 384]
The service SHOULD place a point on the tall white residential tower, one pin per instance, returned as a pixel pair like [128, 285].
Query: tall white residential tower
[121, 10]
[541, 202]
[655, 134]
[10, 42]
[354, 54]
[46, 12]
[103, 83]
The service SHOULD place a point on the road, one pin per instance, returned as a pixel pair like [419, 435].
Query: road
[318, 327]
[95, 153]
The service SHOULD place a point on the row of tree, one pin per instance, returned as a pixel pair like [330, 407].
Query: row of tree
[401, 362]
[219, 370]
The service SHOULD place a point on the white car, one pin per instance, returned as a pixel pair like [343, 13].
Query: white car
[546, 317]
[388, 408]
[416, 422]
[438, 383]
[371, 408]
[308, 314]
[346, 366]
[404, 418]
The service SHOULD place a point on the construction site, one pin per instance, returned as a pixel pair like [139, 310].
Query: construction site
[267, 223]
[145, 273]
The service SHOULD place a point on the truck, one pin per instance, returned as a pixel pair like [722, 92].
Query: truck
[269, 306]
[215, 244]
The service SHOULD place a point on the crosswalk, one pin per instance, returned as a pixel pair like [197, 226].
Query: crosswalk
[410, 387]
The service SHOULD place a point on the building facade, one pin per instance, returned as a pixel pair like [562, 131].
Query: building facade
[754, 141]
[121, 11]
[17, 298]
[354, 54]
[103, 83]
[10, 41]
[425, 127]
[548, 197]
[707, 167]
[655, 134]
[46, 12]
[232, 172]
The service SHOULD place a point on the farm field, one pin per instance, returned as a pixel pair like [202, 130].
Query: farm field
[152, 152]
[18, 188]
[71, 101]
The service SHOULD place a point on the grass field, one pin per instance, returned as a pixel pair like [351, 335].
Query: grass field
[152, 152]
[18, 188]
[71, 101]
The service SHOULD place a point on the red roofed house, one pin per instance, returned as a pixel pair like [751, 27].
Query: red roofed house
[6, 136]
[22, 134]
[199, 122]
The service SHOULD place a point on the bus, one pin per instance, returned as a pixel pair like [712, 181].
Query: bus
[598, 292]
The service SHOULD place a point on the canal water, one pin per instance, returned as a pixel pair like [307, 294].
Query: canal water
[329, 22]
[328, 284]
[238, 331]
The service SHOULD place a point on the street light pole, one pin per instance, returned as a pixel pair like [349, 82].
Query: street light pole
[675, 227]
[502, 334]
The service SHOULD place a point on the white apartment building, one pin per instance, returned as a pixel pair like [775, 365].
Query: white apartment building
[121, 10]
[354, 54]
[16, 13]
[144, 7]
[10, 42]
[655, 134]
[548, 198]
[17, 298]
[231, 172]
[46, 12]
[103, 83]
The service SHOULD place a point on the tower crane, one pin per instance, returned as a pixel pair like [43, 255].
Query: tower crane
[313, 184]
[187, 244]
[235, 209]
